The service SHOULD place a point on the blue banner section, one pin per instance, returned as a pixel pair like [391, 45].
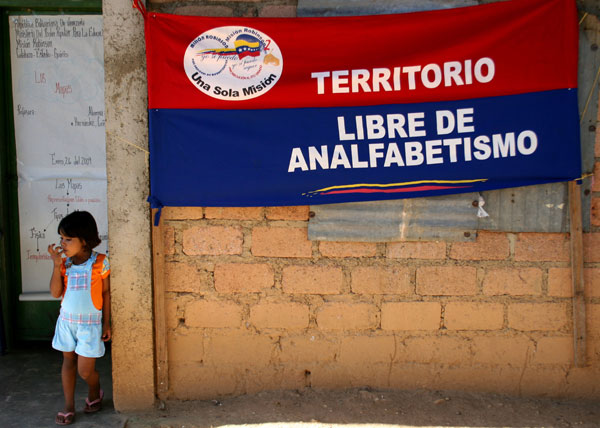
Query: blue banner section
[330, 155]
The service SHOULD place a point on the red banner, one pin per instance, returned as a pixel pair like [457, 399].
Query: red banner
[295, 111]
[364, 56]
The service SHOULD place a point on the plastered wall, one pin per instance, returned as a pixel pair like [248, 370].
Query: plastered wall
[128, 212]
[252, 304]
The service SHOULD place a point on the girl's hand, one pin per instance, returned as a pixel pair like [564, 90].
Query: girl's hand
[106, 333]
[56, 254]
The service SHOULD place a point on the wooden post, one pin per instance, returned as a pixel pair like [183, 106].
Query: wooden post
[160, 319]
[579, 333]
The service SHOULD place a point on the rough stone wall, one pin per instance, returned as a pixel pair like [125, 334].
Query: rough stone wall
[252, 304]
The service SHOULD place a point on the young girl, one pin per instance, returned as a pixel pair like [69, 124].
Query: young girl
[82, 279]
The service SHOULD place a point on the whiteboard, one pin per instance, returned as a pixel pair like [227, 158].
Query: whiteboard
[57, 66]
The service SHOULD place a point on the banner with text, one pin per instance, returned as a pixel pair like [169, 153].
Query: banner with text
[297, 111]
[57, 65]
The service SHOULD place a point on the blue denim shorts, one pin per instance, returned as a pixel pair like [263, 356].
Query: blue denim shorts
[84, 339]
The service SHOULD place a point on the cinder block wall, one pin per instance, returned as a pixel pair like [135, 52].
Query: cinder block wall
[252, 304]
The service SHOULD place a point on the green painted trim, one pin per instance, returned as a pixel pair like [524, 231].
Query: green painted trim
[37, 320]
[12, 289]
[5, 308]
[22, 320]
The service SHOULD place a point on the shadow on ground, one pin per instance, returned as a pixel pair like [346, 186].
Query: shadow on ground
[31, 392]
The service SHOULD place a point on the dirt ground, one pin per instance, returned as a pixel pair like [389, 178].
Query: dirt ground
[30, 395]
[311, 408]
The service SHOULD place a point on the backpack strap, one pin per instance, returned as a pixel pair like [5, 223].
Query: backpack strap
[96, 281]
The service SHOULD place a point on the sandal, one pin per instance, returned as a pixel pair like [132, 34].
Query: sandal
[93, 406]
[64, 418]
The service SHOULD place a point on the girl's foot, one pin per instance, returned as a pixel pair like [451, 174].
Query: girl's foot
[64, 418]
[93, 406]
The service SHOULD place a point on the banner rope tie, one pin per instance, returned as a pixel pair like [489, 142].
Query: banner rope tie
[589, 98]
[139, 5]
[128, 142]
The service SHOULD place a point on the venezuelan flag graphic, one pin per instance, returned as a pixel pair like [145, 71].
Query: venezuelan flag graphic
[413, 186]
[219, 52]
[285, 111]
[245, 45]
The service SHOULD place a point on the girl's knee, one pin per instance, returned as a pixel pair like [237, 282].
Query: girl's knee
[86, 372]
[86, 367]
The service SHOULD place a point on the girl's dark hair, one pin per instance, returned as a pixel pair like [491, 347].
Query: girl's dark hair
[80, 224]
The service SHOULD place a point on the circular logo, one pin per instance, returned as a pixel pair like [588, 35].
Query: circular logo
[233, 63]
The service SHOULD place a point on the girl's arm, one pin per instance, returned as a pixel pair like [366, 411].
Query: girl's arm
[106, 333]
[56, 280]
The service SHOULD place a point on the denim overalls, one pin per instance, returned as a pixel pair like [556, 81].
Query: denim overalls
[79, 325]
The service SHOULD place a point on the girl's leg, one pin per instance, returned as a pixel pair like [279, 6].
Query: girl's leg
[69, 376]
[87, 370]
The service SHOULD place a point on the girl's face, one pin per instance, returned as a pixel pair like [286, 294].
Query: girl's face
[72, 247]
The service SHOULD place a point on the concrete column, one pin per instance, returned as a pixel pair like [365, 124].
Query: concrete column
[128, 211]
